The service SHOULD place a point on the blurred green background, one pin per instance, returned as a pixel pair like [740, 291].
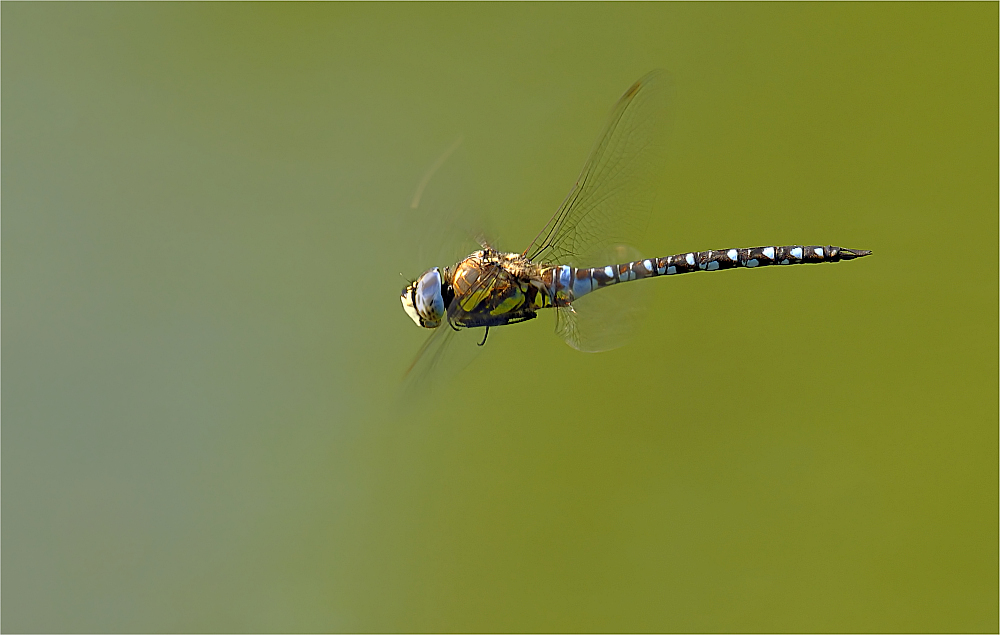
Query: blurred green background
[202, 337]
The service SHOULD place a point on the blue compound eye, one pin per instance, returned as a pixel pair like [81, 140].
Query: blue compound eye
[422, 300]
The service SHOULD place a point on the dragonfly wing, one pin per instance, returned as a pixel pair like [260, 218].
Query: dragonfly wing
[440, 224]
[611, 200]
[450, 348]
[444, 355]
[607, 318]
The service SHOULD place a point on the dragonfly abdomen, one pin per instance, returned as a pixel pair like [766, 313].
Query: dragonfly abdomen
[754, 257]
[569, 283]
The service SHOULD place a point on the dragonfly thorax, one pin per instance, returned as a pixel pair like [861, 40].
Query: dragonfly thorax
[486, 266]
[488, 288]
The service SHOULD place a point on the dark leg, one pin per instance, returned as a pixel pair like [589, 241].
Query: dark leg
[485, 335]
[500, 320]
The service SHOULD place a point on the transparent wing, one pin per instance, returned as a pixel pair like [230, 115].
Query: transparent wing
[448, 350]
[439, 224]
[444, 355]
[608, 318]
[611, 200]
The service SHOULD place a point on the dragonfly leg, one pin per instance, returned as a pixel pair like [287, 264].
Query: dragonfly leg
[485, 335]
[475, 321]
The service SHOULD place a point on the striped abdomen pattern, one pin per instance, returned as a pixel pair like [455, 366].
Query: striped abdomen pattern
[568, 283]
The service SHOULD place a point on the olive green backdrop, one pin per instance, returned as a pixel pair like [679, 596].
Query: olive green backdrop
[202, 337]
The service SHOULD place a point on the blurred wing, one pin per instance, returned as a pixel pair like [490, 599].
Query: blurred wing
[445, 354]
[439, 225]
[449, 349]
[607, 318]
[611, 199]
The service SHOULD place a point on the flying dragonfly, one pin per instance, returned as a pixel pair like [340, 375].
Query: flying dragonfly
[606, 207]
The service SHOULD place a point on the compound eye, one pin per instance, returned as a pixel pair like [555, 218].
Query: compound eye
[427, 298]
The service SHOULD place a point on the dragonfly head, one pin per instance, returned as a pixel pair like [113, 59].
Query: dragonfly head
[423, 299]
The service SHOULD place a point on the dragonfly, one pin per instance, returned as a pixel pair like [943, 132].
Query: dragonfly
[607, 206]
